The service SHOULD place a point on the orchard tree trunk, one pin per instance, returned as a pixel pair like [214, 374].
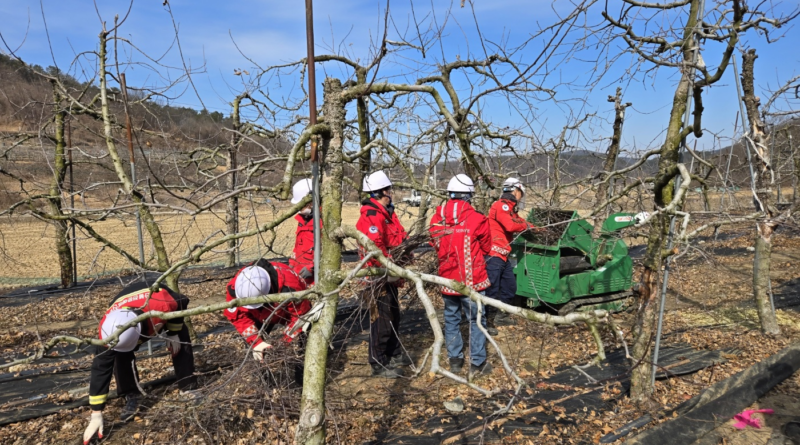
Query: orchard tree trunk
[65, 263]
[147, 218]
[311, 425]
[759, 142]
[232, 210]
[555, 198]
[365, 161]
[611, 160]
[650, 288]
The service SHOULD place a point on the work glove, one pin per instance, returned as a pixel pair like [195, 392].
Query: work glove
[95, 426]
[303, 324]
[173, 344]
[258, 350]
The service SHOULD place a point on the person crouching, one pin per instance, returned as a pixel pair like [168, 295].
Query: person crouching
[119, 358]
[253, 322]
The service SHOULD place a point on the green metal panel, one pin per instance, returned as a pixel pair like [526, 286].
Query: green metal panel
[608, 268]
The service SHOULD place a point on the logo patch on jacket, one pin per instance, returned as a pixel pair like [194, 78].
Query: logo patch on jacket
[373, 229]
[505, 207]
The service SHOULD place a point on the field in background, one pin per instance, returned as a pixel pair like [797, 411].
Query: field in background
[28, 254]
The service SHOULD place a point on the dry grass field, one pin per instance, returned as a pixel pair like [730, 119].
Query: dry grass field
[27, 255]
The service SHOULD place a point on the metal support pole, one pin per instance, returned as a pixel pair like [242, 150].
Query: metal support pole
[312, 120]
[72, 204]
[671, 233]
[124, 88]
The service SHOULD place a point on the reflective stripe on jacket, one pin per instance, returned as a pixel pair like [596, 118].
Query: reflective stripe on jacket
[462, 239]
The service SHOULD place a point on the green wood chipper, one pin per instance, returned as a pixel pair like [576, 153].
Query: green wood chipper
[564, 268]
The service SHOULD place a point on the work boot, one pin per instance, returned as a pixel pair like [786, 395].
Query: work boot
[456, 365]
[485, 368]
[131, 407]
[399, 361]
[492, 331]
[504, 319]
[386, 372]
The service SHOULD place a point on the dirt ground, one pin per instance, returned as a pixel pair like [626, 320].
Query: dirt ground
[709, 307]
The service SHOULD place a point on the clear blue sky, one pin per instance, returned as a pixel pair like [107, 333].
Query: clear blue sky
[271, 32]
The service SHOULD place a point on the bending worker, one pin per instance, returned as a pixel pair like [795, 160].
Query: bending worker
[119, 358]
[462, 239]
[505, 224]
[302, 260]
[380, 223]
[253, 322]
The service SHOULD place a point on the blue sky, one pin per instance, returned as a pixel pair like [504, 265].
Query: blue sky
[272, 32]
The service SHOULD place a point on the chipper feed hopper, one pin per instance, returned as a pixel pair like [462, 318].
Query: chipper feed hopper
[563, 267]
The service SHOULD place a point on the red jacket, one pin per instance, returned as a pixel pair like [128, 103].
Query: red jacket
[382, 227]
[250, 321]
[137, 296]
[461, 237]
[505, 224]
[303, 253]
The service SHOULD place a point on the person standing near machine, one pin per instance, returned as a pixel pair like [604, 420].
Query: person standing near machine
[505, 224]
[462, 239]
[380, 223]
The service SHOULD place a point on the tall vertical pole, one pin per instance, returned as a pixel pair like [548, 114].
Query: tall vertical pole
[312, 120]
[124, 88]
[72, 203]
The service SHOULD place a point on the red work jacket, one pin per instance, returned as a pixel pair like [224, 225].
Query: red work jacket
[505, 224]
[382, 227]
[137, 297]
[248, 322]
[461, 238]
[303, 253]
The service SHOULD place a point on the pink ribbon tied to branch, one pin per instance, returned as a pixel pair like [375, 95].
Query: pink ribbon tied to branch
[744, 418]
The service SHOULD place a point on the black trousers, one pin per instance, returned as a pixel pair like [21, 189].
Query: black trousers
[123, 366]
[383, 339]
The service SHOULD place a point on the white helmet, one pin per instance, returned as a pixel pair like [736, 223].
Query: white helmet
[252, 281]
[300, 190]
[461, 183]
[376, 181]
[512, 183]
[129, 338]
[641, 217]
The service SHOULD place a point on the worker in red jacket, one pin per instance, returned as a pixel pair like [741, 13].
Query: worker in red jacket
[505, 225]
[462, 239]
[302, 260]
[118, 358]
[379, 222]
[253, 322]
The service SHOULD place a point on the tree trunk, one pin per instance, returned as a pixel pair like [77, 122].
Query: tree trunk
[311, 425]
[365, 161]
[56, 186]
[232, 210]
[147, 218]
[555, 198]
[611, 161]
[763, 185]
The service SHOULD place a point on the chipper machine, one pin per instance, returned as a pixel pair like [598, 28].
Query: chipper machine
[564, 268]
